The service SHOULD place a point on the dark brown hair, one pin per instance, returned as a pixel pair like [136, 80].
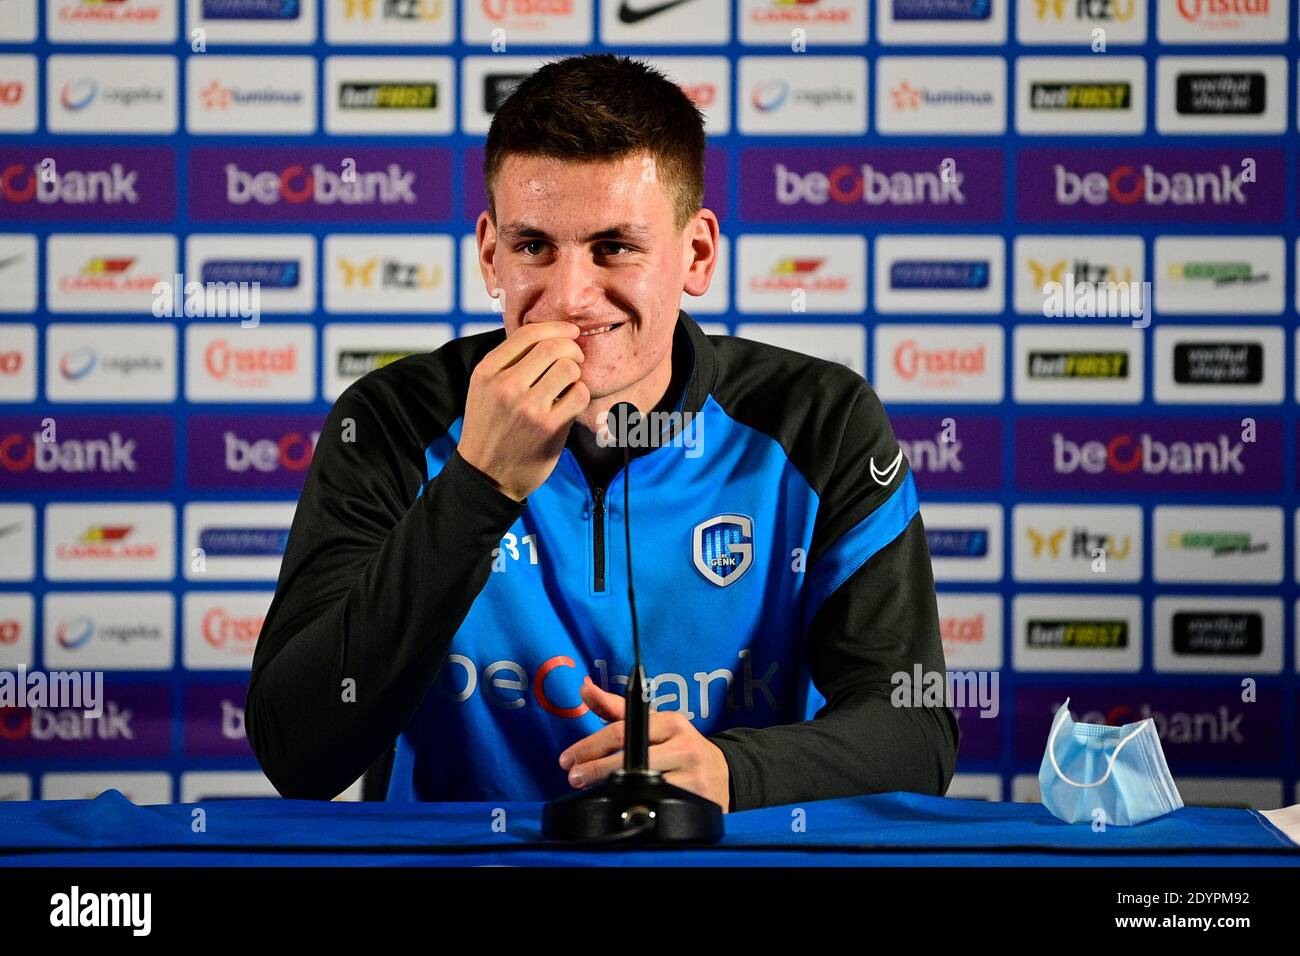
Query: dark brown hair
[603, 107]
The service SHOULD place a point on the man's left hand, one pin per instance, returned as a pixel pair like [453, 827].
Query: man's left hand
[686, 757]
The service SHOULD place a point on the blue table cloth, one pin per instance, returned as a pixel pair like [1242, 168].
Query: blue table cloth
[891, 829]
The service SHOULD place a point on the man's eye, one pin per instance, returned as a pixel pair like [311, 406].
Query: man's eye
[612, 248]
[532, 248]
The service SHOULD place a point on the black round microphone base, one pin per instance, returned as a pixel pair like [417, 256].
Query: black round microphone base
[637, 806]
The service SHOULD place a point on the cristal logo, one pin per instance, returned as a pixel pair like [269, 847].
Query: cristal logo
[74, 633]
[228, 631]
[1127, 185]
[962, 630]
[291, 452]
[1125, 455]
[911, 360]
[77, 363]
[320, 186]
[224, 361]
[500, 9]
[19, 453]
[1193, 10]
[9, 631]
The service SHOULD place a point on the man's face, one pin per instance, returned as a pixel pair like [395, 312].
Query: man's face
[595, 244]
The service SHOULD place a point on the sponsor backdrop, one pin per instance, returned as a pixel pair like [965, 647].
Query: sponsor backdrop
[960, 199]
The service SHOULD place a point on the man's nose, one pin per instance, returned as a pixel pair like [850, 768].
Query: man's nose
[573, 286]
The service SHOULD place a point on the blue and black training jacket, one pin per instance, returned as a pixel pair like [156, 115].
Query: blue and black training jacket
[780, 565]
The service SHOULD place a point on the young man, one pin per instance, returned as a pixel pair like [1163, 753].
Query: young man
[455, 580]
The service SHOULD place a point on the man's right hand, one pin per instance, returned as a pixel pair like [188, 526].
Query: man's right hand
[523, 397]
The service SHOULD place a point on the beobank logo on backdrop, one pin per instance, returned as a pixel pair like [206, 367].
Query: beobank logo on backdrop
[875, 185]
[1151, 185]
[75, 452]
[250, 451]
[1149, 454]
[136, 722]
[1194, 724]
[52, 184]
[314, 184]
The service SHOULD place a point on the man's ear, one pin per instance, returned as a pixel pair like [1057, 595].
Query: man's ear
[485, 232]
[702, 252]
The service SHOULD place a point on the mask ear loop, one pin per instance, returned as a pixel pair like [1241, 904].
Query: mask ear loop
[1110, 761]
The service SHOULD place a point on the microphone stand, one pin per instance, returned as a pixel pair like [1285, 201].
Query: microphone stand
[635, 804]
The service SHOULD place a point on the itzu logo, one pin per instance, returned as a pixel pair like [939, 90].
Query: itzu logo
[722, 548]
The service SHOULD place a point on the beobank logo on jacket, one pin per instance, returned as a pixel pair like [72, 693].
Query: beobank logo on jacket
[1150, 185]
[555, 684]
[1149, 454]
[318, 184]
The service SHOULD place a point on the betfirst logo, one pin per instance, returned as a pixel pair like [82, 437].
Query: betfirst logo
[1129, 185]
[318, 185]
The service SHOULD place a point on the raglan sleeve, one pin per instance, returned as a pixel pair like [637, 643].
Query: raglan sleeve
[871, 614]
[380, 569]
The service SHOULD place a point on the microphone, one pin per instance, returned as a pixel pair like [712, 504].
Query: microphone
[636, 804]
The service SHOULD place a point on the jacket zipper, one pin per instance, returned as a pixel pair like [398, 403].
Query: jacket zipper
[598, 513]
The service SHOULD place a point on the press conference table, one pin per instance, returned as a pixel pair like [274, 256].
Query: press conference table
[892, 829]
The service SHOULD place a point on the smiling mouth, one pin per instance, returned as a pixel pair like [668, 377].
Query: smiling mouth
[599, 330]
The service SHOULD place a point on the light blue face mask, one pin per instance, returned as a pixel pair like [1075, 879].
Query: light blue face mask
[1119, 770]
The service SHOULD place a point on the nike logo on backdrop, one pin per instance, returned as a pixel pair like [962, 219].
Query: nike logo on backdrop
[626, 14]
